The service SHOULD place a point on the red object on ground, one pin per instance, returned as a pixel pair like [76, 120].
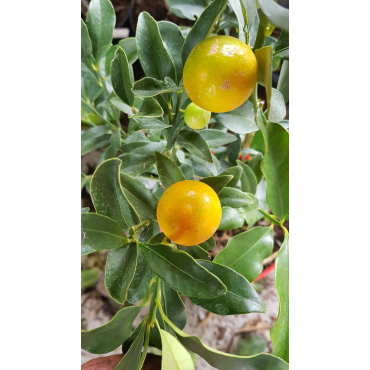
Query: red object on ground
[265, 272]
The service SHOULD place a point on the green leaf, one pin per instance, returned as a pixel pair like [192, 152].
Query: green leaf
[86, 49]
[231, 219]
[85, 249]
[209, 244]
[264, 61]
[276, 14]
[181, 272]
[255, 165]
[217, 183]
[280, 331]
[277, 106]
[282, 46]
[173, 306]
[136, 164]
[141, 147]
[248, 178]
[94, 138]
[108, 59]
[100, 232]
[195, 144]
[100, 22]
[226, 361]
[120, 270]
[139, 284]
[245, 252]
[109, 152]
[149, 108]
[283, 83]
[234, 198]
[129, 46]
[154, 57]
[121, 77]
[131, 359]
[190, 9]
[275, 166]
[143, 200]
[216, 138]
[250, 212]
[239, 120]
[89, 277]
[108, 197]
[174, 355]
[150, 124]
[203, 27]
[172, 133]
[233, 150]
[173, 41]
[240, 297]
[115, 139]
[91, 87]
[196, 252]
[109, 336]
[149, 86]
[85, 209]
[168, 172]
[187, 170]
[236, 172]
[122, 106]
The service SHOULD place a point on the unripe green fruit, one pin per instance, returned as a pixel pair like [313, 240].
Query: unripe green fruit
[196, 117]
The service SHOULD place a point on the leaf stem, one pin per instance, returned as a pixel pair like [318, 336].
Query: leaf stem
[146, 344]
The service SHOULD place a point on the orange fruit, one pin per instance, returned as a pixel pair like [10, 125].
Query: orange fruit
[196, 117]
[189, 212]
[220, 74]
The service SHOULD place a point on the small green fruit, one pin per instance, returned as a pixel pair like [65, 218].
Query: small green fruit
[196, 117]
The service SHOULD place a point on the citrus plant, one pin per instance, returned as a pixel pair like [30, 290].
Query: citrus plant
[165, 184]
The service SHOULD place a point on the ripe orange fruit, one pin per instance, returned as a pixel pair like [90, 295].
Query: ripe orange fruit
[196, 117]
[220, 74]
[189, 212]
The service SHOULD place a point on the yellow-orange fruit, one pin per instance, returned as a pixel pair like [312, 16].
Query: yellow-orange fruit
[189, 212]
[220, 74]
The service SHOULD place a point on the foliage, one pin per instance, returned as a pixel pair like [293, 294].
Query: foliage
[157, 150]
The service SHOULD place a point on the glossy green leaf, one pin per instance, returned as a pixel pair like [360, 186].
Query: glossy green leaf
[209, 244]
[173, 41]
[89, 277]
[139, 284]
[120, 270]
[280, 331]
[196, 251]
[108, 197]
[234, 198]
[231, 219]
[172, 133]
[149, 86]
[250, 211]
[240, 297]
[190, 9]
[129, 46]
[203, 26]
[136, 164]
[94, 138]
[100, 22]
[245, 252]
[109, 336]
[248, 178]
[239, 120]
[173, 306]
[275, 166]
[86, 49]
[91, 87]
[181, 272]
[187, 170]
[115, 139]
[236, 172]
[109, 152]
[108, 59]
[122, 106]
[85, 209]
[101, 232]
[143, 200]
[147, 123]
[216, 138]
[264, 61]
[168, 172]
[233, 150]
[121, 77]
[282, 46]
[195, 144]
[174, 355]
[141, 147]
[277, 106]
[226, 361]
[86, 249]
[255, 165]
[149, 108]
[276, 14]
[131, 359]
[154, 57]
[283, 83]
[217, 183]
